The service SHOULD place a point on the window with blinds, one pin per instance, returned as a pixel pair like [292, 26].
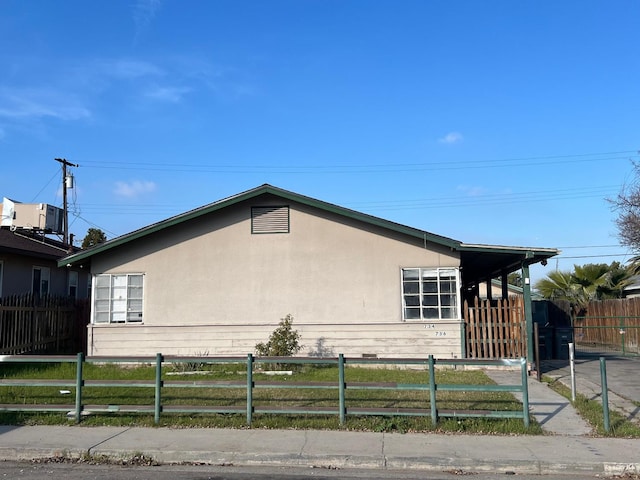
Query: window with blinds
[270, 219]
[118, 298]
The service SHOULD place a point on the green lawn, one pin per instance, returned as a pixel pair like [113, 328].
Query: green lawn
[283, 398]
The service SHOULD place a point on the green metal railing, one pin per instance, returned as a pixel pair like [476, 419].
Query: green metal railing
[250, 409]
[619, 334]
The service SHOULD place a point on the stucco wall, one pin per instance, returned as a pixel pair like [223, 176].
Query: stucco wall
[340, 280]
[17, 276]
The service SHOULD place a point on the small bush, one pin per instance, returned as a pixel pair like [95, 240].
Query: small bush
[283, 342]
[194, 366]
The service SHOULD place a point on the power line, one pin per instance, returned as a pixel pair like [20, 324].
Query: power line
[409, 204]
[45, 186]
[365, 168]
[94, 225]
[590, 246]
[560, 257]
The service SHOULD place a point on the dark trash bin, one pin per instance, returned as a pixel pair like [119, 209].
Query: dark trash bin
[563, 337]
[545, 342]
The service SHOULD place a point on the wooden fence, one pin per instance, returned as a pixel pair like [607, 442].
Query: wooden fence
[610, 324]
[49, 324]
[495, 329]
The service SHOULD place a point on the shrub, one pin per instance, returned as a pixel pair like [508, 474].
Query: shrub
[191, 366]
[284, 341]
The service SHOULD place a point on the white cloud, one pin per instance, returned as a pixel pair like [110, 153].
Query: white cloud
[126, 68]
[134, 188]
[39, 103]
[472, 191]
[167, 94]
[144, 11]
[451, 138]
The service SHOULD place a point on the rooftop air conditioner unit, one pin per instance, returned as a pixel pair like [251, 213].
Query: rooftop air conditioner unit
[32, 216]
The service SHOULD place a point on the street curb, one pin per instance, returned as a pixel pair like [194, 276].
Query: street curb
[333, 462]
[31, 454]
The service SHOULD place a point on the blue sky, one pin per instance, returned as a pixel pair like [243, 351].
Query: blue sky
[493, 122]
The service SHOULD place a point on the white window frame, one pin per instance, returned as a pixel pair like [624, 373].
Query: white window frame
[117, 298]
[72, 283]
[416, 299]
[45, 276]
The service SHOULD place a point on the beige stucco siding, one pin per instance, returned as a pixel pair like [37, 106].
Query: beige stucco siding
[329, 272]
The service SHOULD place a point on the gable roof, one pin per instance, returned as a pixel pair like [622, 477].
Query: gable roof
[497, 258]
[26, 243]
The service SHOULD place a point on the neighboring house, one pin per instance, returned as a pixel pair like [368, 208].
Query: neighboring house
[28, 264]
[496, 291]
[219, 278]
[633, 289]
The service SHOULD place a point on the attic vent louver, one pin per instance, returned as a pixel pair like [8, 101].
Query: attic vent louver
[270, 219]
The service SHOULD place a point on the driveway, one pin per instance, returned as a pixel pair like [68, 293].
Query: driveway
[623, 380]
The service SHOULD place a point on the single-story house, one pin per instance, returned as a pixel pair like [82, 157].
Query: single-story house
[219, 278]
[632, 290]
[28, 264]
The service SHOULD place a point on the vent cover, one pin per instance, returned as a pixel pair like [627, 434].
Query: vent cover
[270, 219]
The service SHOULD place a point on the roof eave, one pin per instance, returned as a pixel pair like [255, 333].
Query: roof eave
[528, 252]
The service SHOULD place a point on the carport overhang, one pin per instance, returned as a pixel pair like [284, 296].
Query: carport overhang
[481, 263]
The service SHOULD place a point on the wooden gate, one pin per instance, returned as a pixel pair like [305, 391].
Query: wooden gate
[495, 329]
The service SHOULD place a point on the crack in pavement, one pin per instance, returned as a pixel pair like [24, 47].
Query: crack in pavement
[107, 439]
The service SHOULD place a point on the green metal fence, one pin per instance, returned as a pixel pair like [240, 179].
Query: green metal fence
[159, 384]
[616, 335]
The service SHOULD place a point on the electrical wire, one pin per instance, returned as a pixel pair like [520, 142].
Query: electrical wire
[590, 246]
[45, 186]
[560, 257]
[96, 226]
[409, 204]
[366, 168]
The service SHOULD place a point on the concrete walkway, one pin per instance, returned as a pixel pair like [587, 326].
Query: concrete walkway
[552, 411]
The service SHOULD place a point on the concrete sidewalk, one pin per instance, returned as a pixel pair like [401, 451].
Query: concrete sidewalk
[335, 449]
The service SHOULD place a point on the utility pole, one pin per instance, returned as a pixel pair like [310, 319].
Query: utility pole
[65, 214]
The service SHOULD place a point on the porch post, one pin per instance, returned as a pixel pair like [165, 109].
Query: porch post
[505, 286]
[528, 314]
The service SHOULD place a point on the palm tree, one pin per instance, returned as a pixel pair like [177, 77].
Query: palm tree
[557, 286]
[619, 277]
[591, 278]
[634, 265]
[585, 284]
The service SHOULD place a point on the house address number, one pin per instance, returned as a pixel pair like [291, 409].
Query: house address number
[431, 326]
